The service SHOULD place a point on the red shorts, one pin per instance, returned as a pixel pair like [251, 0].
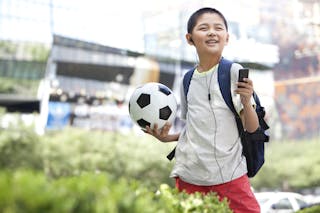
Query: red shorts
[238, 192]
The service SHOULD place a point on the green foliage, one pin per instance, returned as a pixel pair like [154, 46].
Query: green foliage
[313, 209]
[20, 148]
[174, 201]
[290, 166]
[73, 151]
[19, 86]
[31, 50]
[26, 191]
[38, 52]
[7, 48]
[7, 86]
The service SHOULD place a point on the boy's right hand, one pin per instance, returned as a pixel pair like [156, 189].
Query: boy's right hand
[161, 134]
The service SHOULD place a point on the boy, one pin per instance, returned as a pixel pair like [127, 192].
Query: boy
[209, 151]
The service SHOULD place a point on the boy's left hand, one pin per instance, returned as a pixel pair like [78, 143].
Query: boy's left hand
[245, 90]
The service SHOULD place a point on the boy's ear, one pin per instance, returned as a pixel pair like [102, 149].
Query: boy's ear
[227, 39]
[189, 39]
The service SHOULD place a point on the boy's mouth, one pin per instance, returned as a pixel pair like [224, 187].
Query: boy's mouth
[212, 41]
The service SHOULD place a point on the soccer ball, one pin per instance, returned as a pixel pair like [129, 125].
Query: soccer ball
[152, 103]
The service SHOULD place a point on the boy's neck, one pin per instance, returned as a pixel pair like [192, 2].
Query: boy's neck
[207, 63]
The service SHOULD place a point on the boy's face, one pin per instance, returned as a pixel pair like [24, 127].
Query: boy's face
[209, 35]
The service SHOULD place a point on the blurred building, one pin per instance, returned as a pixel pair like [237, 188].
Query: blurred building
[97, 50]
[78, 66]
[296, 32]
[92, 83]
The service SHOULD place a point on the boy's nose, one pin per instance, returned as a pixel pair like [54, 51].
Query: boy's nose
[211, 32]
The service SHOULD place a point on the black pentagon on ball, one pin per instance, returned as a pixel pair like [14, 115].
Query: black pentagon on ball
[165, 90]
[164, 113]
[143, 123]
[143, 100]
[129, 107]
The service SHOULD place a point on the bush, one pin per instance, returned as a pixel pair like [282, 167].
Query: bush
[20, 148]
[290, 166]
[68, 152]
[312, 209]
[26, 191]
[72, 152]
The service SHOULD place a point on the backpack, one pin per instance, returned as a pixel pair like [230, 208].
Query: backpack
[252, 143]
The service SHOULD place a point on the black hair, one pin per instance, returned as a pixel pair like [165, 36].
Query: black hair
[194, 17]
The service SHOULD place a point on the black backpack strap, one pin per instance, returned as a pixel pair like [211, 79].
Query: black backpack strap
[225, 88]
[171, 155]
[261, 112]
[186, 81]
[224, 82]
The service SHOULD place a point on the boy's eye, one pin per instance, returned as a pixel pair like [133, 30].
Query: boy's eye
[219, 28]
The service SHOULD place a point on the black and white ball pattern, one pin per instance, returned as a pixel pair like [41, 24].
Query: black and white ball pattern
[152, 103]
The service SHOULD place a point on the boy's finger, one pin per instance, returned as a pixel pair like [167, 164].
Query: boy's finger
[166, 129]
[147, 130]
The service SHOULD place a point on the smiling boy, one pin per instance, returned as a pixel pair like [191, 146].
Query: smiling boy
[209, 151]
